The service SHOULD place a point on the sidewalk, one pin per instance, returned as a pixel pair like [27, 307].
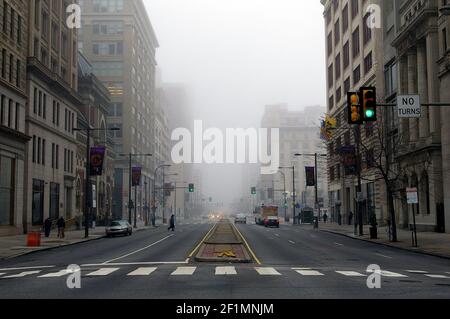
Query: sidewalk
[13, 246]
[429, 243]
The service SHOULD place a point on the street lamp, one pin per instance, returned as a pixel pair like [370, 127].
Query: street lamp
[130, 202]
[286, 219]
[88, 131]
[293, 187]
[154, 190]
[315, 179]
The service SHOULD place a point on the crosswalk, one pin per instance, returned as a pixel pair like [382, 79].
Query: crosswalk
[183, 271]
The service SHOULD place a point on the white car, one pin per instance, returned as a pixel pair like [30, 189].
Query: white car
[119, 227]
[240, 218]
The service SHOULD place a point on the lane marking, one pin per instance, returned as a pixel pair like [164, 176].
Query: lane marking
[337, 244]
[103, 272]
[438, 276]
[267, 271]
[247, 245]
[278, 235]
[184, 271]
[142, 271]
[386, 273]
[226, 271]
[2, 273]
[309, 272]
[201, 242]
[292, 242]
[417, 271]
[384, 256]
[139, 263]
[139, 250]
[55, 274]
[351, 273]
[23, 274]
[25, 268]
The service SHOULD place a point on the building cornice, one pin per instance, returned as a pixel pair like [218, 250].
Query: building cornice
[13, 134]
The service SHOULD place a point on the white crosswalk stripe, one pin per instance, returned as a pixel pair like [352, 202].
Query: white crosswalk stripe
[438, 276]
[417, 271]
[308, 272]
[56, 274]
[225, 271]
[267, 271]
[386, 273]
[23, 274]
[2, 273]
[143, 271]
[351, 273]
[103, 272]
[184, 271]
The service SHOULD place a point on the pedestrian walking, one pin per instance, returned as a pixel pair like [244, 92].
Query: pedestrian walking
[172, 223]
[339, 219]
[350, 218]
[47, 227]
[325, 218]
[61, 223]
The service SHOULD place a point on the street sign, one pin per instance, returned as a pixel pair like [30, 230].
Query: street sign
[409, 106]
[412, 196]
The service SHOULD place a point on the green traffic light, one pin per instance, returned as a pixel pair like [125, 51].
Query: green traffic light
[370, 114]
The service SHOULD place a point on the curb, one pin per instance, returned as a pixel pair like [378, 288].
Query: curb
[64, 245]
[387, 245]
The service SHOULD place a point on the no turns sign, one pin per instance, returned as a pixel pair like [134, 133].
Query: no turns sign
[409, 106]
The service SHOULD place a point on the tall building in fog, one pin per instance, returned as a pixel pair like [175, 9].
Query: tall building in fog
[119, 41]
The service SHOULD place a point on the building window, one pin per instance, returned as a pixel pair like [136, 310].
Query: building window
[337, 66]
[338, 95]
[368, 63]
[3, 63]
[355, 8]
[345, 19]
[356, 75]
[18, 73]
[355, 42]
[2, 109]
[54, 201]
[37, 216]
[34, 149]
[367, 36]
[330, 76]
[7, 185]
[337, 32]
[347, 85]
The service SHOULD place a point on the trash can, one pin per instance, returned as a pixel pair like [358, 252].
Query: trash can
[34, 239]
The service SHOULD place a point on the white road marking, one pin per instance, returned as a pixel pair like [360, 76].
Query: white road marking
[139, 250]
[438, 276]
[184, 271]
[292, 242]
[226, 271]
[385, 273]
[337, 244]
[267, 271]
[56, 274]
[103, 272]
[308, 272]
[351, 273]
[278, 235]
[1, 274]
[25, 268]
[23, 274]
[384, 256]
[417, 271]
[140, 263]
[142, 271]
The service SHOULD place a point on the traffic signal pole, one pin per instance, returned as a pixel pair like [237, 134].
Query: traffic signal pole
[358, 165]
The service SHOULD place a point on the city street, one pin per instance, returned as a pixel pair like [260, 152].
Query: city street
[291, 262]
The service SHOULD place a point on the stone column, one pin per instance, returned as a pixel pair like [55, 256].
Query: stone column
[422, 85]
[412, 89]
[432, 47]
[403, 88]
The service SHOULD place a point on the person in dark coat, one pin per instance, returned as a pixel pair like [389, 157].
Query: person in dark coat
[350, 218]
[172, 223]
[325, 218]
[47, 227]
[61, 223]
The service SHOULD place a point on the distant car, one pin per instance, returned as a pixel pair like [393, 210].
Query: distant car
[240, 218]
[119, 227]
[272, 221]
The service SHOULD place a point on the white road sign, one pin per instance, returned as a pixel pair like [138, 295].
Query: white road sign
[412, 196]
[409, 106]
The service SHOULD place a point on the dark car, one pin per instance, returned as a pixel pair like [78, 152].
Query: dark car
[272, 221]
[119, 227]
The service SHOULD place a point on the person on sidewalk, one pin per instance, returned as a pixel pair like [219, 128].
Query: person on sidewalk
[61, 223]
[47, 227]
[172, 223]
[340, 219]
[350, 218]
[325, 218]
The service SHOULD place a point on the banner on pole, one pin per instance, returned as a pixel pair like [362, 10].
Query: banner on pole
[136, 176]
[97, 156]
[310, 176]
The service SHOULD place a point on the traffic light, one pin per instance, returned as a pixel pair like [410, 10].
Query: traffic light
[369, 103]
[354, 108]
[253, 190]
[191, 188]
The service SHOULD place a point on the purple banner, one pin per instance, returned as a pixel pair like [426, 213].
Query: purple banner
[136, 176]
[310, 176]
[96, 160]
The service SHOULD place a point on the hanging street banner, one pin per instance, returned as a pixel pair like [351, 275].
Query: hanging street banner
[136, 176]
[310, 176]
[97, 157]
[349, 159]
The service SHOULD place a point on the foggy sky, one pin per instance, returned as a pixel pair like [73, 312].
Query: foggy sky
[235, 57]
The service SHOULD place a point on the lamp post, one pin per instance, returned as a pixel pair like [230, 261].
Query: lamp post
[316, 180]
[286, 219]
[154, 188]
[164, 191]
[293, 187]
[130, 201]
[87, 185]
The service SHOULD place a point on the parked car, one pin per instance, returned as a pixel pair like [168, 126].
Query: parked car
[119, 227]
[240, 218]
[272, 221]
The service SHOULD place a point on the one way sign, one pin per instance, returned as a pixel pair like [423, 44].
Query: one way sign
[409, 106]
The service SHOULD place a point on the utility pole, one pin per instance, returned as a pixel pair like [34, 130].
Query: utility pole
[358, 166]
[293, 189]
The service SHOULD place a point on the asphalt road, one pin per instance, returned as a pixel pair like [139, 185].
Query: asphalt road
[295, 262]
